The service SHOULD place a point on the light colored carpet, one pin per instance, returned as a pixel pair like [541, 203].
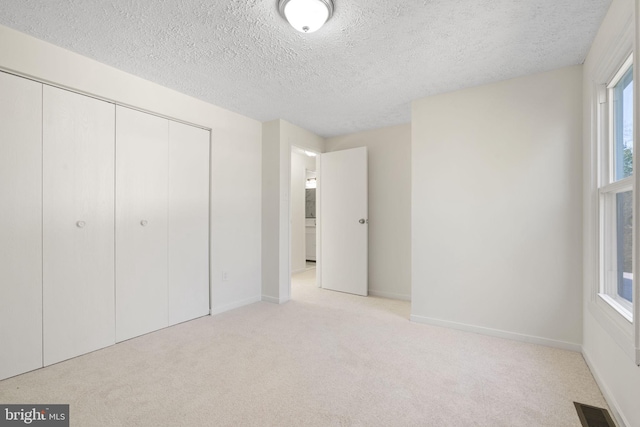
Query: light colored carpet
[323, 359]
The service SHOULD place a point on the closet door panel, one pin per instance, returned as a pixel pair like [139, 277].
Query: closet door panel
[20, 225]
[188, 222]
[78, 235]
[141, 223]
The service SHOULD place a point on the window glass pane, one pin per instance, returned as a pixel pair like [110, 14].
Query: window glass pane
[623, 126]
[624, 238]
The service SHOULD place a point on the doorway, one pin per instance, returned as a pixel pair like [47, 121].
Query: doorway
[303, 216]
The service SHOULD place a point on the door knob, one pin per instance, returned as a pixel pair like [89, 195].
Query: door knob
[80, 224]
[362, 221]
[144, 223]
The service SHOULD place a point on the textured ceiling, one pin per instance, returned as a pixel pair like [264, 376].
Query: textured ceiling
[360, 71]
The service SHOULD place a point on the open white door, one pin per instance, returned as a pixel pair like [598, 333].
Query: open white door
[344, 216]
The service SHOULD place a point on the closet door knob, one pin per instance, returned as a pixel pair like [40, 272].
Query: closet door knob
[80, 224]
[144, 222]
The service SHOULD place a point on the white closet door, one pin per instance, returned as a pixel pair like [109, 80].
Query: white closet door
[188, 222]
[78, 218]
[141, 223]
[20, 225]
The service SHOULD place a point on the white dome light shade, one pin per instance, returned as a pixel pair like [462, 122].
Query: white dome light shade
[306, 16]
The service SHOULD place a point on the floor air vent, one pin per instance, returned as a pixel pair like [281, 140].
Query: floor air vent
[591, 416]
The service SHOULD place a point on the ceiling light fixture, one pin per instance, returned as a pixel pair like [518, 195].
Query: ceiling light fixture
[306, 16]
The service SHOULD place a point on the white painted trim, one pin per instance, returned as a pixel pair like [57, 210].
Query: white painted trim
[389, 295]
[635, 292]
[613, 404]
[498, 333]
[301, 270]
[619, 186]
[234, 305]
[618, 306]
[274, 300]
[18, 73]
[621, 72]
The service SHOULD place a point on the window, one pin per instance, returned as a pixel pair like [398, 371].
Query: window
[622, 124]
[617, 194]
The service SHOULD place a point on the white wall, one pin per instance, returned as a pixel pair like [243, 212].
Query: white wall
[271, 195]
[298, 238]
[235, 151]
[496, 209]
[278, 136]
[310, 163]
[607, 348]
[389, 157]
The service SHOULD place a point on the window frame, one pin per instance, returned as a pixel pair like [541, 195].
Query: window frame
[608, 188]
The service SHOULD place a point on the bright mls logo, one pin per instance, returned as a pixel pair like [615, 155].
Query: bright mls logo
[34, 415]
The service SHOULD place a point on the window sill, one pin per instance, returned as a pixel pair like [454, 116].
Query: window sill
[618, 307]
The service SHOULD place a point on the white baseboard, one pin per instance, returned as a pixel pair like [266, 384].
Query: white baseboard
[237, 304]
[389, 295]
[275, 300]
[299, 271]
[613, 404]
[498, 333]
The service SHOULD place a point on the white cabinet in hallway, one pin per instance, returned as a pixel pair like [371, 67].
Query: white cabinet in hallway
[78, 224]
[188, 222]
[310, 239]
[20, 225]
[142, 150]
